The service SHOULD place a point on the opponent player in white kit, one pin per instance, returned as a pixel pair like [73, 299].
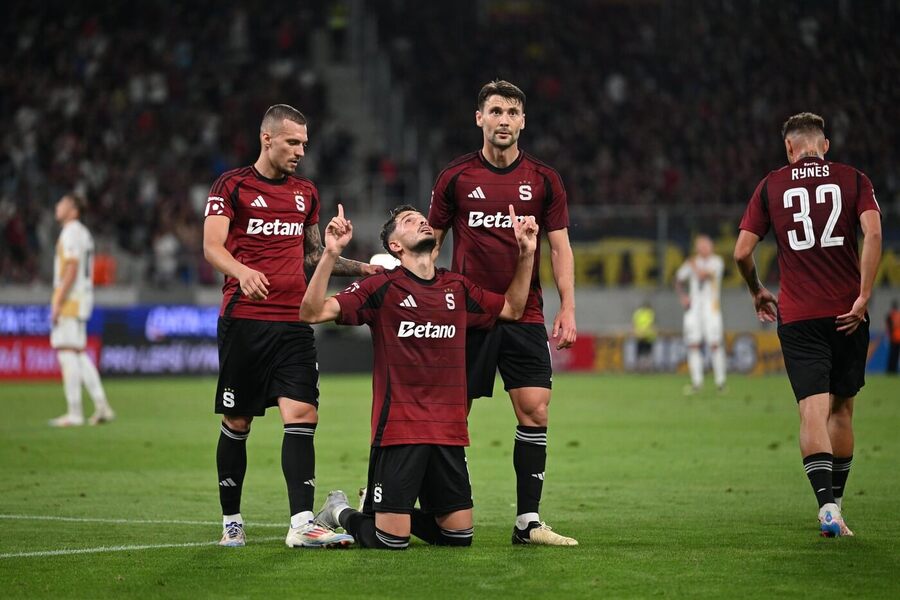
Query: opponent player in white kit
[703, 314]
[70, 309]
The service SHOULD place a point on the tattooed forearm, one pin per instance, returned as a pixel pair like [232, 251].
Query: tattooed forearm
[313, 250]
[312, 246]
[345, 266]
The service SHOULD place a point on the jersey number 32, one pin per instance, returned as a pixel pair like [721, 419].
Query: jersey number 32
[801, 195]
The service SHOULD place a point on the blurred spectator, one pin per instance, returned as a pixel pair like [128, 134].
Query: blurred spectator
[659, 102]
[644, 103]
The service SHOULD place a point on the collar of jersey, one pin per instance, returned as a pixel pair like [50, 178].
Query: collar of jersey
[259, 175]
[418, 279]
[501, 170]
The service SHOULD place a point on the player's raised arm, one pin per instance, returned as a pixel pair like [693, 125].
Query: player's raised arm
[315, 307]
[439, 235]
[517, 293]
[763, 300]
[313, 252]
[253, 284]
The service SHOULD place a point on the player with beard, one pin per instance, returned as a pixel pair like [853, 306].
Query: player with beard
[470, 196]
[420, 318]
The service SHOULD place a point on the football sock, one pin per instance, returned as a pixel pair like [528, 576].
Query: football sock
[523, 521]
[362, 527]
[426, 529]
[235, 518]
[298, 463]
[529, 460]
[840, 473]
[718, 364]
[695, 366]
[818, 469]
[91, 379]
[231, 463]
[71, 376]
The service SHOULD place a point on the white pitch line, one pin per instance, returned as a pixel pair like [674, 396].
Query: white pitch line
[71, 551]
[126, 521]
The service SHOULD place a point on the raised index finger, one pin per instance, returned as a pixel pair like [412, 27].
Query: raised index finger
[512, 213]
[340, 211]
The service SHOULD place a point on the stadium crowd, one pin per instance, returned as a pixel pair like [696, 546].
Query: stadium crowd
[659, 102]
[141, 106]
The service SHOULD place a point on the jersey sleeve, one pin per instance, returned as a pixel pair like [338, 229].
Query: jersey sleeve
[219, 200]
[684, 272]
[360, 301]
[313, 216]
[866, 196]
[71, 243]
[756, 216]
[482, 306]
[556, 209]
[443, 206]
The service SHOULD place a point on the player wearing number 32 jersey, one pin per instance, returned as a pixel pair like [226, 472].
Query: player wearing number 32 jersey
[814, 208]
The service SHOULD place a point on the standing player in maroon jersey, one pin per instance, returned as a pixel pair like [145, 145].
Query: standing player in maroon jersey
[261, 229]
[419, 317]
[470, 196]
[814, 208]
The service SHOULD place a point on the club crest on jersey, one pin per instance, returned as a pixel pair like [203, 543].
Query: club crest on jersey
[525, 192]
[300, 201]
[215, 205]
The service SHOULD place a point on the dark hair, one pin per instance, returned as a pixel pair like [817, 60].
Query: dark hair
[805, 122]
[79, 201]
[277, 113]
[499, 87]
[391, 224]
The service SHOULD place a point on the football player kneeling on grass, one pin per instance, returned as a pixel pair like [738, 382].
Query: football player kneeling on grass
[418, 315]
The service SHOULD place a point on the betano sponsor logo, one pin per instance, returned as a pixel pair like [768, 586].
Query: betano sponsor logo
[425, 330]
[276, 227]
[491, 221]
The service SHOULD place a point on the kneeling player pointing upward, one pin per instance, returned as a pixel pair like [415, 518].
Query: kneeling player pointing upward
[418, 315]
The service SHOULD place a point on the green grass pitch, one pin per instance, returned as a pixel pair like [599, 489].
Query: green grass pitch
[700, 497]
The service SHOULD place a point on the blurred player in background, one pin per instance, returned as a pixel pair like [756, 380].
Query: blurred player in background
[643, 324]
[702, 312]
[814, 207]
[261, 229]
[70, 310]
[471, 196]
[419, 316]
[893, 333]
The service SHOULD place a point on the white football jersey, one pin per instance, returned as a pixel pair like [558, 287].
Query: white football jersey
[75, 243]
[705, 294]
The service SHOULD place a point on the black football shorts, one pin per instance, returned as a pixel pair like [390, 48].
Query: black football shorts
[519, 350]
[819, 359]
[435, 475]
[259, 361]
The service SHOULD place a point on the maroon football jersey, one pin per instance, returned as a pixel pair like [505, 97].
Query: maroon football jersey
[472, 196]
[419, 335]
[266, 234]
[813, 206]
